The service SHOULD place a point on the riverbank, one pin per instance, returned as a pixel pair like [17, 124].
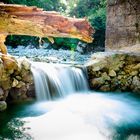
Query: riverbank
[106, 72]
[114, 72]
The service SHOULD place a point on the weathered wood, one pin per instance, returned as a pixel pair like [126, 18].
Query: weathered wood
[33, 21]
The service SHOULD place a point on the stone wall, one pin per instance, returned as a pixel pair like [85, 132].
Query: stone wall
[114, 72]
[123, 24]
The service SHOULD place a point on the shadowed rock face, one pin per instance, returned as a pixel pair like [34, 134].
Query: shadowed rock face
[123, 24]
[33, 21]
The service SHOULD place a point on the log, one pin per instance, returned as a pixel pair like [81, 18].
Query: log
[33, 21]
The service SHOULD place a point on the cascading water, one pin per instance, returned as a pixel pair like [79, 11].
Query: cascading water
[57, 80]
[92, 116]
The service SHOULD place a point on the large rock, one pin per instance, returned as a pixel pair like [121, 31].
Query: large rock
[9, 63]
[15, 78]
[114, 72]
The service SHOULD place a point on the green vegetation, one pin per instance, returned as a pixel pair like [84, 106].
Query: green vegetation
[93, 10]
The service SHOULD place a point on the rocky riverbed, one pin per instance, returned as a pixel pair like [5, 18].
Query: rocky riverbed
[114, 72]
[49, 55]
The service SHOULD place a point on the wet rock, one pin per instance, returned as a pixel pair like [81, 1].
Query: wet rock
[18, 93]
[105, 88]
[97, 82]
[3, 105]
[31, 91]
[28, 77]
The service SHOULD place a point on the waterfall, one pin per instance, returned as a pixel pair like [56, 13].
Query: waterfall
[57, 80]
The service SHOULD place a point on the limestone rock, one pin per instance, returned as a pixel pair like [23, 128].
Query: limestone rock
[136, 81]
[112, 73]
[120, 72]
[15, 83]
[26, 64]
[137, 67]
[20, 84]
[27, 77]
[105, 76]
[97, 82]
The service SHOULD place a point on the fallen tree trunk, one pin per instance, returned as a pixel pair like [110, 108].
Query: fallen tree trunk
[33, 21]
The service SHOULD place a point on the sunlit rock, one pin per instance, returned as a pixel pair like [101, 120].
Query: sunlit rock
[121, 72]
[112, 73]
[9, 63]
[20, 84]
[105, 76]
[15, 83]
[26, 64]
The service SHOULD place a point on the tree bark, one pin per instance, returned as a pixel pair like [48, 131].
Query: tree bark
[33, 21]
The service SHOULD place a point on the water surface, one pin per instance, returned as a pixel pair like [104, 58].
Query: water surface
[86, 116]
